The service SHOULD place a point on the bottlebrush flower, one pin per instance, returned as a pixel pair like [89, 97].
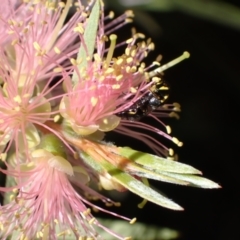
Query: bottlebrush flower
[42, 40]
[45, 205]
[28, 66]
[107, 92]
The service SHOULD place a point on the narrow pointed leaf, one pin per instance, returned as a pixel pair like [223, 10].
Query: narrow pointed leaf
[90, 34]
[131, 183]
[160, 177]
[89, 37]
[144, 191]
[139, 188]
[194, 181]
[142, 172]
[157, 163]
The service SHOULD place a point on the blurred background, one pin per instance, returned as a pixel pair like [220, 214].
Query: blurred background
[207, 86]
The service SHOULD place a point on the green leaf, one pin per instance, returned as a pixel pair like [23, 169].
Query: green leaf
[138, 187]
[194, 181]
[144, 191]
[89, 37]
[157, 163]
[130, 183]
[159, 176]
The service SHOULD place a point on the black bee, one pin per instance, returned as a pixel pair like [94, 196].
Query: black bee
[156, 96]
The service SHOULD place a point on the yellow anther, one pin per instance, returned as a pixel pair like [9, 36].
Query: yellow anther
[87, 212]
[180, 144]
[151, 46]
[116, 86]
[119, 77]
[141, 35]
[9, 32]
[111, 15]
[3, 157]
[44, 22]
[97, 57]
[109, 70]
[133, 221]
[25, 30]
[57, 50]
[129, 13]
[159, 58]
[129, 40]
[82, 238]
[156, 79]
[133, 53]
[17, 99]
[133, 69]
[129, 59]
[127, 51]
[177, 107]
[108, 204]
[17, 109]
[143, 65]
[57, 69]
[73, 61]
[171, 152]
[175, 140]
[128, 20]
[168, 128]
[119, 61]
[133, 90]
[155, 63]
[117, 204]
[39, 234]
[61, 4]
[12, 197]
[128, 69]
[36, 46]
[128, 238]
[14, 42]
[91, 221]
[79, 28]
[141, 70]
[94, 101]
[56, 118]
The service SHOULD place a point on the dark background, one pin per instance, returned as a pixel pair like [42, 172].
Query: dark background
[207, 86]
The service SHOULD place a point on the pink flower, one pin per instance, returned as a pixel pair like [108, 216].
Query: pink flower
[42, 41]
[114, 92]
[46, 205]
[29, 63]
